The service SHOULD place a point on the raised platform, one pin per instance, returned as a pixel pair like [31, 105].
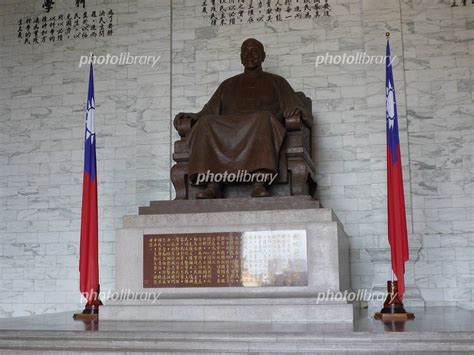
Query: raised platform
[229, 205]
[325, 256]
[225, 309]
[434, 331]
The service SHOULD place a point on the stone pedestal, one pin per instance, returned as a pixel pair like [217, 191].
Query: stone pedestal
[327, 264]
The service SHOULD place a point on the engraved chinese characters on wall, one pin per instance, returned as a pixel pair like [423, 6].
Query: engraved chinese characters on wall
[231, 12]
[48, 4]
[260, 258]
[456, 3]
[62, 27]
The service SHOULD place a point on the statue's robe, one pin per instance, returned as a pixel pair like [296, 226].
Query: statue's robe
[242, 125]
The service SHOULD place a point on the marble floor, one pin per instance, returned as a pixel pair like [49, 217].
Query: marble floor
[433, 331]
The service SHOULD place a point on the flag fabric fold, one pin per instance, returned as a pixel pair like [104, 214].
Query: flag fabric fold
[89, 249]
[397, 226]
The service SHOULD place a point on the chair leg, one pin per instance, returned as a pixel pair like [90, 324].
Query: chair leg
[298, 176]
[179, 175]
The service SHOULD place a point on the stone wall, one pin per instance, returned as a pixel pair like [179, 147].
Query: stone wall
[43, 94]
[438, 43]
[42, 100]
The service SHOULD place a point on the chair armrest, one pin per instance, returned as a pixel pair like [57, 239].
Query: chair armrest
[184, 125]
[294, 123]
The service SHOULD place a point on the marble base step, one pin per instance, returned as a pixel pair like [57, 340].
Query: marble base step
[437, 330]
[233, 342]
[305, 310]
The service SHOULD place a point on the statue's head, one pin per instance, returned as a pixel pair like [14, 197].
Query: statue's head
[252, 54]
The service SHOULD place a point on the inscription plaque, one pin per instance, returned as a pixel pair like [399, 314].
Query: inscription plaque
[192, 260]
[227, 259]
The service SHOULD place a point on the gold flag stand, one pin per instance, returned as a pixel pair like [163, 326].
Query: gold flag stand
[91, 309]
[393, 309]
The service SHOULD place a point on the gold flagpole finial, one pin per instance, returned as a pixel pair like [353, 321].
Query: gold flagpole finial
[387, 34]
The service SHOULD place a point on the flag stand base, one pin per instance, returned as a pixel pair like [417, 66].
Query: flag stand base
[393, 309]
[89, 314]
[91, 310]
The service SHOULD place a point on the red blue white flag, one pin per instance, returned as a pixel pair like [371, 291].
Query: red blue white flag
[89, 251]
[397, 225]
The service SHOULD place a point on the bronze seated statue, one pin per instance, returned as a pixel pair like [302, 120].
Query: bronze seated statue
[255, 128]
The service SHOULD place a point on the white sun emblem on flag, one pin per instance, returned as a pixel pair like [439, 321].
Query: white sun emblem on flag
[90, 120]
[390, 105]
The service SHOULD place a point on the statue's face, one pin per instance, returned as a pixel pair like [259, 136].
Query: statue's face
[251, 55]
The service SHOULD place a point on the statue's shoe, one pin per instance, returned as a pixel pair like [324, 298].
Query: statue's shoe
[259, 190]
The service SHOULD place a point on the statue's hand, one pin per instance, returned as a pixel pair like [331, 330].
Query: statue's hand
[181, 115]
[292, 111]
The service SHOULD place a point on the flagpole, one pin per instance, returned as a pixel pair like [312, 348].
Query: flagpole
[89, 237]
[387, 35]
[393, 309]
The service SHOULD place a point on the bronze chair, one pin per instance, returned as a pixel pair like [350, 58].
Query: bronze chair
[296, 176]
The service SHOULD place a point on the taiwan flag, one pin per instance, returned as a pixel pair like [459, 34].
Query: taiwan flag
[397, 225]
[89, 251]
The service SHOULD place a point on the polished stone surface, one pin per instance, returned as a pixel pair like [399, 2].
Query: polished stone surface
[327, 267]
[271, 310]
[433, 319]
[328, 254]
[435, 330]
